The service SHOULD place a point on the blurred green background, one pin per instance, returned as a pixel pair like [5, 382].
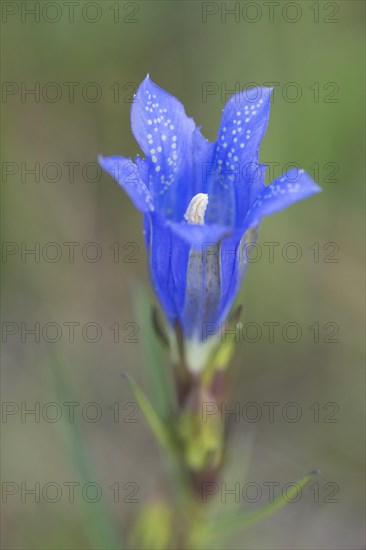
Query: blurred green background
[313, 50]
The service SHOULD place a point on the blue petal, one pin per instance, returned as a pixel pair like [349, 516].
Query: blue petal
[186, 275]
[293, 186]
[214, 275]
[235, 163]
[199, 235]
[165, 134]
[203, 154]
[235, 253]
[203, 291]
[159, 248]
[143, 168]
[196, 284]
[168, 258]
[244, 118]
[127, 174]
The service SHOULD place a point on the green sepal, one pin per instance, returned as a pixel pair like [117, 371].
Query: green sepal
[154, 527]
[202, 441]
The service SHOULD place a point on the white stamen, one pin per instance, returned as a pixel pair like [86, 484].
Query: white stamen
[196, 209]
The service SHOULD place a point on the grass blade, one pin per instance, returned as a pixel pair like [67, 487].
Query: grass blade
[99, 527]
[158, 372]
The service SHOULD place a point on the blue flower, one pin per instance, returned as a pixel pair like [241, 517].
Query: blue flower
[200, 200]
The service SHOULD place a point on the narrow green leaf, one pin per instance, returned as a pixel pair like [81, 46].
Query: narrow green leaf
[157, 427]
[174, 459]
[244, 520]
[159, 379]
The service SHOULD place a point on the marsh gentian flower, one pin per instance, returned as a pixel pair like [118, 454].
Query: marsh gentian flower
[200, 199]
